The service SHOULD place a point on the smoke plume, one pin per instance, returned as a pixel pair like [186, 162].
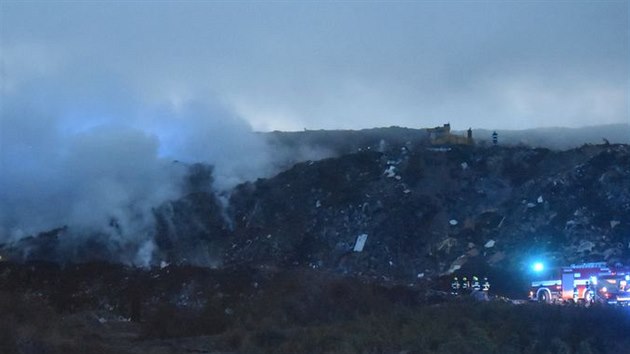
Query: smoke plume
[99, 163]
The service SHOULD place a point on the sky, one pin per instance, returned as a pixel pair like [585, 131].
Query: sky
[280, 65]
[98, 98]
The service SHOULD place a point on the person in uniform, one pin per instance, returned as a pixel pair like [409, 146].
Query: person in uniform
[455, 286]
[465, 284]
[588, 293]
[476, 286]
[486, 285]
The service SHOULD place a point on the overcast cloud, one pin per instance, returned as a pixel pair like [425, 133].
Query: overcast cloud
[289, 66]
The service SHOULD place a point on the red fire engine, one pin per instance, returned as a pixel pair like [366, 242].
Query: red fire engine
[584, 283]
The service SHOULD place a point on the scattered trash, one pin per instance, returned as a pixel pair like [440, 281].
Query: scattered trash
[457, 264]
[390, 172]
[454, 268]
[540, 200]
[489, 244]
[453, 222]
[614, 223]
[440, 149]
[464, 166]
[586, 246]
[501, 223]
[360, 243]
[447, 244]
[496, 258]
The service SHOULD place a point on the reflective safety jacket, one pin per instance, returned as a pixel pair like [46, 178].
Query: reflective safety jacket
[485, 286]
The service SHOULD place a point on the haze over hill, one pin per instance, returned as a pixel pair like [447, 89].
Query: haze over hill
[426, 211]
[560, 138]
[106, 189]
[345, 141]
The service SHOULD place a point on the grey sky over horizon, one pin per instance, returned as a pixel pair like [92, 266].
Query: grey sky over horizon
[314, 65]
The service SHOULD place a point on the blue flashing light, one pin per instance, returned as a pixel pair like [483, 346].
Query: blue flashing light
[538, 267]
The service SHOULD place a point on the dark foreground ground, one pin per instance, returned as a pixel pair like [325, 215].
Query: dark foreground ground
[100, 308]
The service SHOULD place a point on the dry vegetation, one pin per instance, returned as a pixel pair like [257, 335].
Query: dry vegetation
[290, 312]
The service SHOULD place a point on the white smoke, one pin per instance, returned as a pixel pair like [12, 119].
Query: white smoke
[100, 164]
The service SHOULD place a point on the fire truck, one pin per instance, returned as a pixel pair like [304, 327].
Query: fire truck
[584, 283]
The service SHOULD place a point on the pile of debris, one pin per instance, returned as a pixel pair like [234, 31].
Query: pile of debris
[405, 213]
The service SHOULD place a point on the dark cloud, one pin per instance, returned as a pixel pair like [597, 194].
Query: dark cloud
[347, 65]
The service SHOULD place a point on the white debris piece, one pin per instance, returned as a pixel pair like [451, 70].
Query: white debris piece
[540, 199]
[420, 275]
[464, 166]
[614, 223]
[501, 223]
[453, 222]
[407, 191]
[358, 246]
[269, 236]
[163, 265]
[531, 205]
[586, 246]
[391, 263]
[101, 320]
[489, 244]
[318, 204]
[398, 177]
[453, 268]
[390, 172]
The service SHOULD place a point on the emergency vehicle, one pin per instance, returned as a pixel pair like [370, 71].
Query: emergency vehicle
[584, 283]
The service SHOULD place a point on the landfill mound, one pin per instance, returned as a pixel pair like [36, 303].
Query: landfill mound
[406, 213]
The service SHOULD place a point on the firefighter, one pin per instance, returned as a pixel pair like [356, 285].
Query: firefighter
[588, 293]
[476, 286]
[455, 286]
[486, 285]
[465, 284]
